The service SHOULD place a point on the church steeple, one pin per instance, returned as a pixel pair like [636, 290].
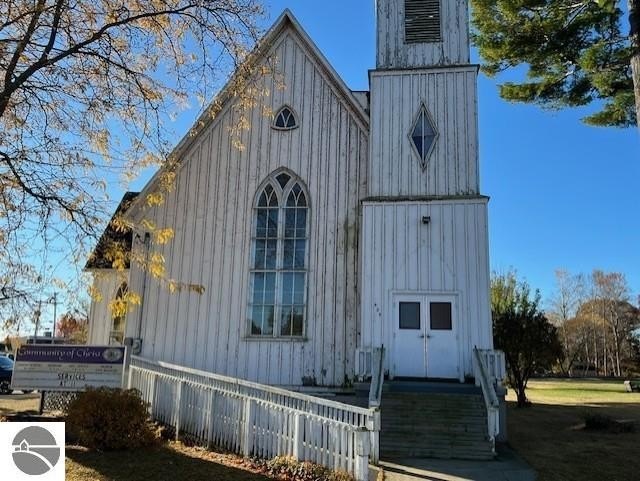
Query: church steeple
[423, 101]
[422, 33]
[424, 221]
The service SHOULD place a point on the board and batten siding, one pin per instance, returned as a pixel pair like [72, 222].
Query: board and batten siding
[106, 283]
[448, 256]
[212, 212]
[450, 95]
[395, 53]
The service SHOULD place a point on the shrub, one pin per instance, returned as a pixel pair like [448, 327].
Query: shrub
[290, 469]
[600, 422]
[520, 328]
[110, 420]
[597, 422]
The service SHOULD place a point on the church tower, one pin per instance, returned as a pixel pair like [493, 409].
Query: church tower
[425, 262]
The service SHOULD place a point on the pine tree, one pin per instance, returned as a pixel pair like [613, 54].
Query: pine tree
[574, 52]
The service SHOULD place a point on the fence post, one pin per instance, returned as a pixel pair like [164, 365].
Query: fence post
[247, 435]
[362, 455]
[152, 395]
[210, 433]
[129, 377]
[298, 437]
[126, 369]
[177, 408]
[375, 437]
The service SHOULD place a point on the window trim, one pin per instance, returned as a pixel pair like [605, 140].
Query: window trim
[282, 195]
[296, 117]
[423, 162]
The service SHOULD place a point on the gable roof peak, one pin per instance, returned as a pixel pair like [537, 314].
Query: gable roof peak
[286, 19]
[113, 239]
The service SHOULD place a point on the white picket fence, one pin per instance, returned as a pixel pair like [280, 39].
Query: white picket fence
[257, 420]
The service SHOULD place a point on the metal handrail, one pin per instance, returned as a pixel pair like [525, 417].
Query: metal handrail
[490, 397]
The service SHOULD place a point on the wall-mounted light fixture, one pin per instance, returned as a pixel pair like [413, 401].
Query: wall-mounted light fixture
[426, 220]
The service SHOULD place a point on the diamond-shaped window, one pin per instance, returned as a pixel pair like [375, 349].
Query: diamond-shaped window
[423, 135]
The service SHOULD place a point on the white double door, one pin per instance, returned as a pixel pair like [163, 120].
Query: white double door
[425, 343]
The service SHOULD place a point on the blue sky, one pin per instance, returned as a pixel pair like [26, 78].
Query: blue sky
[562, 194]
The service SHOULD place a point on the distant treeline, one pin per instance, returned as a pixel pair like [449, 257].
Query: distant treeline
[598, 324]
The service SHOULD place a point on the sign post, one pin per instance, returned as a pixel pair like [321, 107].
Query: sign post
[68, 368]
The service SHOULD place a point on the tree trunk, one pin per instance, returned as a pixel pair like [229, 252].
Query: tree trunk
[605, 355]
[634, 36]
[588, 357]
[616, 345]
[521, 393]
[596, 360]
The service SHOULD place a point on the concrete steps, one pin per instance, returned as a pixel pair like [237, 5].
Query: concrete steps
[431, 424]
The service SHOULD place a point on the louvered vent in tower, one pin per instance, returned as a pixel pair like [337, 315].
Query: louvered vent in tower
[422, 21]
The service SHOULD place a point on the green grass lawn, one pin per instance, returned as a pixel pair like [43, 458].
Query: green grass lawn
[19, 403]
[550, 435]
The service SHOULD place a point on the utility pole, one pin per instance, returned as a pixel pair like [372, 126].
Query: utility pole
[54, 298]
[35, 334]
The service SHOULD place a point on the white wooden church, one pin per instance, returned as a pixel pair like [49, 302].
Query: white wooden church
[351, 220]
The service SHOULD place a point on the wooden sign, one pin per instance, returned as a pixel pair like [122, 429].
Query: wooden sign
[67, 368]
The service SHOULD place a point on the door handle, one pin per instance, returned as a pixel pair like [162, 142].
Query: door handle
[423, 336]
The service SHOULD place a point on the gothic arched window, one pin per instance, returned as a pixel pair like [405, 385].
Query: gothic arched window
[285, 119]
[119, 310]
[277, 305]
